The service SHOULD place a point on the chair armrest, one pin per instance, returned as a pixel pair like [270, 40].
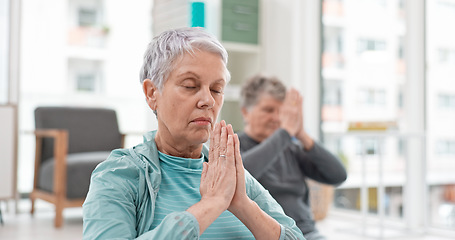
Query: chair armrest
[49, 133]
[60, 137]
[122, 141]
[125, 134]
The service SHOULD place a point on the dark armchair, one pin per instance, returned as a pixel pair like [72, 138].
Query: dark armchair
[70, 142]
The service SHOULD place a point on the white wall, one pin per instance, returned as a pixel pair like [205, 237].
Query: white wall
[290, 41]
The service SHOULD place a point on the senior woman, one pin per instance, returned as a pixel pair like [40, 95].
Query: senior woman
[279, 153]
[171, 186]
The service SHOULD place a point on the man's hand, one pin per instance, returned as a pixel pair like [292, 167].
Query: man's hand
[291, 116]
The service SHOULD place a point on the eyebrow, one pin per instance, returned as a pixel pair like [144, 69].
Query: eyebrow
[198, 77]
[222, 80]
[188, 73]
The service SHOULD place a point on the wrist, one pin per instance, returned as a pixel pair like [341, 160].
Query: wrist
[243, 207]
[206, 212]
[215, 203]
[288, 131]
[306, 140]
[262, 225]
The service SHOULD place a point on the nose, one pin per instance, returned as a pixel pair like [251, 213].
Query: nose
[206, 99]
[276, 115]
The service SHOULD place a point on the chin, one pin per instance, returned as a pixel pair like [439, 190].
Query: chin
[271, 130]
[201, 137]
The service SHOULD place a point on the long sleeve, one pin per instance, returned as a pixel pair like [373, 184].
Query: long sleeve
[258, 159]
[117, 207]
[320, 165]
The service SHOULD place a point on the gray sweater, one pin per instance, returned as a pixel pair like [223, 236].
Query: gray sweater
[281, 165]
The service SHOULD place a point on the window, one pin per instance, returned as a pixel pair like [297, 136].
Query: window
[440, 95]
[400, 99]
[401, 147]
[86, 75]
[400, 48]
[446, 101]
[370, 45]
[371, 97]
[87, 24]
[445, 7]
[445, 147]
[87, 17]
[381, 3]
[367, 147]
[333, 94]
[4, 35]
[79, 69]
[333, 48]
[446, 56]
[86, 82]
[368, 88]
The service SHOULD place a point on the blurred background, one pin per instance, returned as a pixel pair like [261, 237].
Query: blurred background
[377, 76]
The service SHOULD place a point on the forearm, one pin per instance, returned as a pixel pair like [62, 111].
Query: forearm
[306, 140]
[323, 166]
[206, 212]
[258, 222]
[258, 159]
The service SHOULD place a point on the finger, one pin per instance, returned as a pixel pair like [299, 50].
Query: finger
[294, 92]
[290, 98]
[204, 171]
[238, 157]
[240, 170]
[300, 99]
[230, 130]
[295, 98]
[214, 141]
[287, 97]
[223, 140]
[230, 155]
[203, 184]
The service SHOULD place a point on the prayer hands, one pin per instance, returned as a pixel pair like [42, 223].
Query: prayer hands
[291, 115]
[223, 177]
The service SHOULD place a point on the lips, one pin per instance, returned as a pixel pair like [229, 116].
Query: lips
[202, 120]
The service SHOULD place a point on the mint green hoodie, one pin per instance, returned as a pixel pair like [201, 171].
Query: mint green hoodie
[121, 201]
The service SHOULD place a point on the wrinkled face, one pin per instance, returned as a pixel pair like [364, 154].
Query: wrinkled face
[262, 119]
[192, 96]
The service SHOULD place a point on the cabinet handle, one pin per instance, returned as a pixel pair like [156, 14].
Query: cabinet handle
[242, 9]
[242, 26]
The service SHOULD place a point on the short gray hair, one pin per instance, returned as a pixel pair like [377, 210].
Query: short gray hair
[165, 48]
[253, 89]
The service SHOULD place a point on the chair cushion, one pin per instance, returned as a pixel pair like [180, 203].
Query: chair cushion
[79, 169]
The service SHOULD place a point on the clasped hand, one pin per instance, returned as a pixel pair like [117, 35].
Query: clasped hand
[291, 114]
[223, 177]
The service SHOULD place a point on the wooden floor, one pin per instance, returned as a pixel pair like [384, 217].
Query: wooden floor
[22, 226]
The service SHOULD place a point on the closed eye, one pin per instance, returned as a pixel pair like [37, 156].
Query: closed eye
[217, 91]
[268, 110]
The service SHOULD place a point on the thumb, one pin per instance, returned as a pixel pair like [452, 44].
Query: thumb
[205, 167]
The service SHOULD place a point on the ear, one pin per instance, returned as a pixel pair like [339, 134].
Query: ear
[151, 92]
[244, 114]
